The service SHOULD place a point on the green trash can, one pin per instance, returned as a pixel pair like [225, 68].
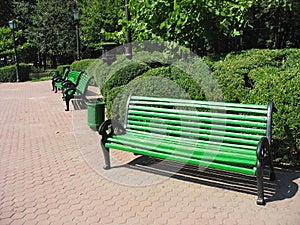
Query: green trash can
[96, 114]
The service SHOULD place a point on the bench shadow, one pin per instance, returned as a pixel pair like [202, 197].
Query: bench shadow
[79, 104]
[282, 188]
[91, 96]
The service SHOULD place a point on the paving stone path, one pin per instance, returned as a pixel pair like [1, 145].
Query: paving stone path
[51, 173]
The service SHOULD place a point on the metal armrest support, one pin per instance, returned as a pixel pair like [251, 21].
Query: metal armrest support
[264, 155]
[56, 76]
[70, 91]
[67, 83]
[57, 79]
[107, 129]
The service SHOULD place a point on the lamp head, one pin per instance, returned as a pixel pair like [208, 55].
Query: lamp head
[76, 14]
[12, 24]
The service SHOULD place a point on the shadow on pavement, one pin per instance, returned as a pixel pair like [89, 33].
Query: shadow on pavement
[282, 188]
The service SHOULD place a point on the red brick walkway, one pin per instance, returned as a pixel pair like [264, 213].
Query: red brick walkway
[51, 173]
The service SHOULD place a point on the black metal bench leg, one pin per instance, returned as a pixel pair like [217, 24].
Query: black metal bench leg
[260, 184]
[55, 89]
[272, 172]
[106, 158]
[67, 103]
[52, 85]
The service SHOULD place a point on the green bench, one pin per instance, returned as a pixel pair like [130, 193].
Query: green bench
[72, 79]
[227, 136]
[56, 78]
[76, 91]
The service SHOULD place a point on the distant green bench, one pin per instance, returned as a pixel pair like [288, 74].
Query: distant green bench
[57, 78]
[77, 91]
[71, 79]
[226, 136]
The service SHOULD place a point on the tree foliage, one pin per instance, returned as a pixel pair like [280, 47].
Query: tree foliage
[204, 26]
[99, 21]
[52, 30]
[208, 25]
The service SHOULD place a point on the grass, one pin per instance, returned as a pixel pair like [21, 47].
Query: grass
[36, 79]
[40, 76]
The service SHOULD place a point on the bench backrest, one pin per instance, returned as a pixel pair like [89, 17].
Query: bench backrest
[83, 84]
[74, 77]
[65, 73]
[232, 125]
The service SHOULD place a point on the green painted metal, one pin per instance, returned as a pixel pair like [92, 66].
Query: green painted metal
[198, 130]
[174, 139]
[194, 112]
[200, 155]
[198, 119]
[195, 148]
[250, 171]
[213, 134]
[133, 118]
[223, 108]
[73, 76]
[187, 101]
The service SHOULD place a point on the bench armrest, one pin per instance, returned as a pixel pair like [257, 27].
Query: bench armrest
[56, 76]
[263, 149]
[69, 91]
[67, 84]
[108, 128]
[57, 79]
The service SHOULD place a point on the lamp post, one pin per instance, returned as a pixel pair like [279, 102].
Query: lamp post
[13, 26]
[241, 38]
[76, 18]
[128, 47]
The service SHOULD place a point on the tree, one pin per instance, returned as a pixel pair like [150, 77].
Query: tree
[51, 30]
[215, 26]
[99, 22]
[5, 12]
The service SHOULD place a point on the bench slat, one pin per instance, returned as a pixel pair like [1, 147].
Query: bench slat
[193, 130]
[220, 108]
[197, 113]
[199, 125]
[174, 139]
[202, 148]
[198, 119]
[208, 156]
[194, 135]
[250, 171]
[187, 101]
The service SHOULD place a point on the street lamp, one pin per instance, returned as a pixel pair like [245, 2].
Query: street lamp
[241, 38]
[76, 18]
[128, 47]
[13, 26]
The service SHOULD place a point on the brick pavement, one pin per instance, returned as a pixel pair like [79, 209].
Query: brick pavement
[51, 173]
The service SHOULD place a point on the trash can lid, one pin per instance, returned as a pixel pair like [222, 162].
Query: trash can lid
[95, 103]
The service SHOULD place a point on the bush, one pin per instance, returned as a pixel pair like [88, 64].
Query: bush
[82, 65]
[62, 68]
[123, 76]
[142, 85]
[262, 76]
[8, 73]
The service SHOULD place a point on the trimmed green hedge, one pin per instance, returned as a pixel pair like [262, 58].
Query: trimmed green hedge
[62, 68]
[82, 65]
[262, 76]
[8, 73]
[123, 76]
